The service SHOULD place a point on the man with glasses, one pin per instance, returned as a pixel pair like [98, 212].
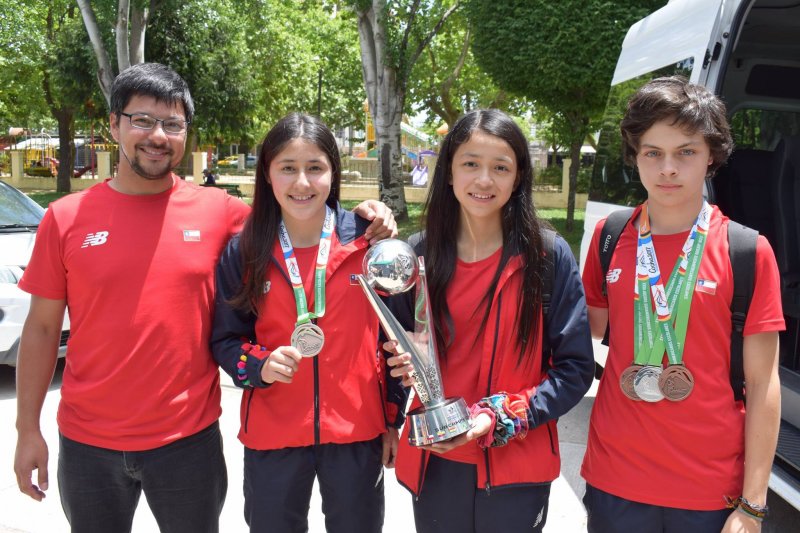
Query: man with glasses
[133, 258]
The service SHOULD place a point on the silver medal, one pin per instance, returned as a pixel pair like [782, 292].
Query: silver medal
[646, 384]
[308, 338]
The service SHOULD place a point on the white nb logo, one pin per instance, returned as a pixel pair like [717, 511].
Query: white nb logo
[95, 239]
[613, 275]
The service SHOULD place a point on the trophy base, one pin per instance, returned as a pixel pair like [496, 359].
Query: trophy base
[428, 425]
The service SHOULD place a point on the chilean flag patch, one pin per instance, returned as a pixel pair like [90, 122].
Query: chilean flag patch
[707, 286]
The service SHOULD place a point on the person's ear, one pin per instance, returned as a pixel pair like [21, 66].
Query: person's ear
[113, 120]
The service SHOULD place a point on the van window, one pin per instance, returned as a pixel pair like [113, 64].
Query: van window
[762, 129]
[612, 181]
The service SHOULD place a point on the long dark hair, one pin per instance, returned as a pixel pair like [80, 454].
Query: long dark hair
[521, 230]
[261, 227]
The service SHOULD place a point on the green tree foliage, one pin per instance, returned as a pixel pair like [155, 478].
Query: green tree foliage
[205, 42]
[559, 54]
[45, 58]
[446, 81]
[289, 42]
[21, 42]
[392, 37]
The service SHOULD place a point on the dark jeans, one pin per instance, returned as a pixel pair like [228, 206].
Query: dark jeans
[451, 502]
[278, 485]
[185, 483]
[609, 514]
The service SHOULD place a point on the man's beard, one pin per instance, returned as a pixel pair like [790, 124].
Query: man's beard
[141, 171]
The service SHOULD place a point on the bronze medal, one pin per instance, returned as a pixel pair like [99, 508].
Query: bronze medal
[308, 338]
[646, 384]
[626, 382]
[676, 383]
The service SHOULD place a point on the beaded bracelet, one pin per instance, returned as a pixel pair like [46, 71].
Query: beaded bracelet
[241, 365]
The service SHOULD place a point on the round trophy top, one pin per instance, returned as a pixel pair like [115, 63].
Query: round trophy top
[391, 266]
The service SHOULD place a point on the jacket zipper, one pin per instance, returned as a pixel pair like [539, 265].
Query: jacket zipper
[550, 433]
[489, 386]
[421, 475]
[316, 400]
[247, 411]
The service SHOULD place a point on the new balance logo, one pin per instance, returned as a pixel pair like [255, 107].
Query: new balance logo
[95, 239]
[613, 275]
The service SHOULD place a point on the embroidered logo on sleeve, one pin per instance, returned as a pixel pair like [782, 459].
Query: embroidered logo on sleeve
[613, 275]
[95, 239]
[191, 235]
[706, 285]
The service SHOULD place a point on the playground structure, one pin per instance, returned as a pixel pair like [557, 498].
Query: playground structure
[40, 154]
[415, 147]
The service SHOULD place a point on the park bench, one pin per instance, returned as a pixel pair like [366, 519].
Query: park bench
[231, 188]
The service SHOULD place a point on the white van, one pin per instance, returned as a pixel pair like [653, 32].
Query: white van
[748, 52]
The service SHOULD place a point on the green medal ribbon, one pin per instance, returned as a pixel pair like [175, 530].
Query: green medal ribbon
[664, 330]
[303, 315]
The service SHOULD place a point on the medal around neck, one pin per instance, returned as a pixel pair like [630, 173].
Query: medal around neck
[646, 384]
[392, 267]
[626, 381]
[676, 383]
[308, 338]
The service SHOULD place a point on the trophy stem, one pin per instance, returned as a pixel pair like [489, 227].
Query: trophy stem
[395, 331]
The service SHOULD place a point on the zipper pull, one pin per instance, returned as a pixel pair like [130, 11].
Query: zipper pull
[488, 489]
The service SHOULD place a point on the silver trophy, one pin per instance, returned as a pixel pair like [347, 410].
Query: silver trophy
[392, 267]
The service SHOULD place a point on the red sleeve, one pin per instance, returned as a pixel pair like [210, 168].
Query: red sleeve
[45, 274]
[766, 312]
[592, 275]
[238, 211]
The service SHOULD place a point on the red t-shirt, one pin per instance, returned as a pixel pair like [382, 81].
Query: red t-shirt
[461, 364]
[137, 273]
[686, 454]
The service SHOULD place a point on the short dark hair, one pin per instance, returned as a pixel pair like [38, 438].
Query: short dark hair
[690, 106]
[261, 228]
[151, 79]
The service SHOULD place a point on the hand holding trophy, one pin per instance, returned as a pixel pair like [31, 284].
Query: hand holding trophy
[391, 267]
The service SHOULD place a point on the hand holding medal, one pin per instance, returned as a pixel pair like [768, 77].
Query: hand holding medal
[281, 366]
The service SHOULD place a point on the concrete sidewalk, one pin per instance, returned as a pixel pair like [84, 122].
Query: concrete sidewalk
[18, 513]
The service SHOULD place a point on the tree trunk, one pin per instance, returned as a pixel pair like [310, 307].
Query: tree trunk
[66, 148]
[385, 104]
[388, 139]
[123, 54]
[138, 27]
[575, 155]
[105, 75]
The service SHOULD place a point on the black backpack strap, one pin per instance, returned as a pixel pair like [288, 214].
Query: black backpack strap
[742, 250]
[548, 275]
[609, 235]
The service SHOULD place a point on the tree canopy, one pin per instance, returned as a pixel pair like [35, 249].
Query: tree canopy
[560, 54]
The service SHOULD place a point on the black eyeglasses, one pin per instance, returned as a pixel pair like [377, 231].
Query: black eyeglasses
[143, 121]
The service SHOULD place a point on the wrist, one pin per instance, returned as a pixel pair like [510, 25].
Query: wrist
[754, 510]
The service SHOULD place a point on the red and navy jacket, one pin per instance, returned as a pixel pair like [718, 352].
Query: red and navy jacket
[552, 388]
[342, 395]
